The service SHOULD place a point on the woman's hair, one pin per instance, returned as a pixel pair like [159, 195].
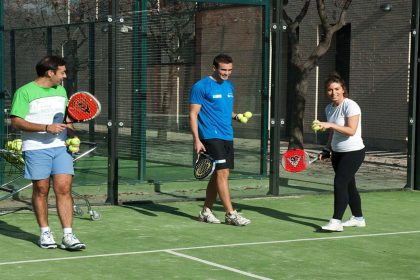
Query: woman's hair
[334, 77]
[49, 62]
[222, 58]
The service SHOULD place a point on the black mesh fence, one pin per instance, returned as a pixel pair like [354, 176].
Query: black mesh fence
[141, 65]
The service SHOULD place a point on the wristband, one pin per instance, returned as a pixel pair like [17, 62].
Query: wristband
[326, 153]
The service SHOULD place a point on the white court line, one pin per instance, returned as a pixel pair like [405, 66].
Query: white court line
[218, 265]
[211, 246]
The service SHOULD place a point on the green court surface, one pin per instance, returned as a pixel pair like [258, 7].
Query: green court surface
[164, 241]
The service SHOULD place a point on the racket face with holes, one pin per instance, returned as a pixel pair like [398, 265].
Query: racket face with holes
[204, 166]
[296, 160]
[83, 106]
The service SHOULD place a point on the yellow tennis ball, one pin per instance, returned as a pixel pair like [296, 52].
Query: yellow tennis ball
[18, 145]
[248, 114]
[316, 127]
[240, 116]
[243, 120]
[73, 149]
[9, 145]
[75, 141]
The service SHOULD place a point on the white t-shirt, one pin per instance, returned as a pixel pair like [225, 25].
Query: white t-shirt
[41, 105]
[338, 115]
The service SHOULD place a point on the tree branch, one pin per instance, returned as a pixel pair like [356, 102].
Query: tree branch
[303, 12]
[328, 30]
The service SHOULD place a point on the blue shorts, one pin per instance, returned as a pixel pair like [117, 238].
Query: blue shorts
[41, 164]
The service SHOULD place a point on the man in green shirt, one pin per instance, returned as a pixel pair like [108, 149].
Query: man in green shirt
[38, 110]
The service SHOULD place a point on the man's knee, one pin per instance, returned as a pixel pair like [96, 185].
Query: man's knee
[41, 187]
[223, 172]
[62, 190]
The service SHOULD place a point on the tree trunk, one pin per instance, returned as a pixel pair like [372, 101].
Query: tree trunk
[165, 102]
[297, 110]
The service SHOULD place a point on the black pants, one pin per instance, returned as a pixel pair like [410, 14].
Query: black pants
[345, 166]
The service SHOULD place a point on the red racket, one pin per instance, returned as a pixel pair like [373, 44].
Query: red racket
[83, 107]
[297, 160]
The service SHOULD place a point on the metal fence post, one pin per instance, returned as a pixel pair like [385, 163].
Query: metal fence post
[2, 88]
[275, 122]
[413, 161]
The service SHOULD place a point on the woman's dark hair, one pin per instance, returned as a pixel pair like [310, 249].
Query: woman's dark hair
[334, 77]
[222, 58]
[49, 62]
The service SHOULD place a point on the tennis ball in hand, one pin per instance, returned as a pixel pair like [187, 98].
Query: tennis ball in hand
[315, 125]
[248, 115]
[243, 120]
[240, 116]
[73, 149]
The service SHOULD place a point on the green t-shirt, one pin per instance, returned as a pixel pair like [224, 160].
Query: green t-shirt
[37, 104]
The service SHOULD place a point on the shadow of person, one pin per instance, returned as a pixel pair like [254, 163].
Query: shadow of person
[16, 232]
[281, 215]
[150, 209]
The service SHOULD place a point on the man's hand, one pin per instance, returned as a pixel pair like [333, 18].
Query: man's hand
[199, 147]
[56, 128]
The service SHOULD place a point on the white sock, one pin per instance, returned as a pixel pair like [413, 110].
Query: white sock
[336, 221]
[67, 230]
[359, 218]
[44, 229]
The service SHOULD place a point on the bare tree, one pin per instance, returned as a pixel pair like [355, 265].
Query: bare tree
[172, 30]
[44, 13]
[303, 66]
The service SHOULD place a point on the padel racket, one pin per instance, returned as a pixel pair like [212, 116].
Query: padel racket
[204, 166]
[82, 107]
[297, 160]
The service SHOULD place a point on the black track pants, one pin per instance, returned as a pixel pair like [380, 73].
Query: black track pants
[345, 166]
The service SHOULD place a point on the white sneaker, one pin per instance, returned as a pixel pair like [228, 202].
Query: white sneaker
[46, 241]
[333, 225]
[207, 216]
[234, 218]
[353, 222]
[70, 242]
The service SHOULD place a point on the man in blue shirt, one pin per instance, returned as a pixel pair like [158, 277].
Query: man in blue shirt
[211, 114]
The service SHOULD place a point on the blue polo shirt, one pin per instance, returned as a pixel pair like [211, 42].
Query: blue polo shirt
[215, 116]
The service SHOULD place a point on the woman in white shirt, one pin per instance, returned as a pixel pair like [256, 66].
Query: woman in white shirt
[347, 151]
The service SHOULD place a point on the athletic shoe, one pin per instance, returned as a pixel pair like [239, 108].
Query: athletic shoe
[46, 241]
[207, 216]
[333, 225]
[70, 242]
[234, 218]
[353, 222]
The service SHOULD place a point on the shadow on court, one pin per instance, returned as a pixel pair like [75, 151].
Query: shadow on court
[16, 232]
[151, 208]
[276, 214]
